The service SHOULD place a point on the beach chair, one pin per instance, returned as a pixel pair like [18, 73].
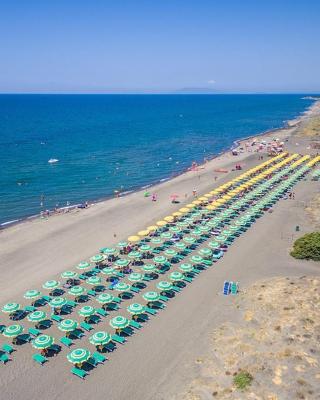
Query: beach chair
[226, 288]
[134, 289]
[117, 300]
[4, 358]
[56, 318]
[91, 293]
[2, 328]
[164, 298]
[176, 289]
[234, 288]
[34, 332]
[38, 358]
[71, 303]
[93, 362]
[187, 279]
[77, 334]
[85, 326]
[118, 339]
[66, 341]
[7, 348]
[46, 298]
[80, 373]
[101, 312]
[151, 311]
[135, 324]
[99, 358]
[83, 277]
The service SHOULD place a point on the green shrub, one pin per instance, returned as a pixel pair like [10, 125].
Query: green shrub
[307, 247]
[242, 380]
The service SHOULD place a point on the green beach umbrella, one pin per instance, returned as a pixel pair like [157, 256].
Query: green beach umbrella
[174, 229]
[214, 245]
[196, 232]
[69, 275]
[100, 338]
[51, 285]
[135, 277]
[205, 252]
[156, 240]
[176, 276]
[134, 255]
[94, 280]
[151, 296]
[32, 294]
[170, 253]
[37, 316]
[119, 322]
[183, 224]
[78, 356]
[136, 309]
[42, 342]
[13, 330]
[84, 265]
[204, 228]
[57, 302]
[149, 268]
[68, 325]
[180, 246]
[97, 258]
[122, 287]
[122, 263]
[196, 259]
[164, 285]
[86, 311]
[122, 245]
[145, 247]
[220, 238]
[11, 308]
[109, 251]
[166, 235]
[160, 260]
[189, 239]
[186, 267]
[105, 298]
[108, 271]
[77, 291]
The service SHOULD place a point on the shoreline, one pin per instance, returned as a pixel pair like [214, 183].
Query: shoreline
[287, 125]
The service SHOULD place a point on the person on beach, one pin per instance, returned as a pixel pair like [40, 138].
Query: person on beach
[194, 192]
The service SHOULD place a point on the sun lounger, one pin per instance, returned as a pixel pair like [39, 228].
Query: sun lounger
[176, 289]
[101, 312]
[77, 333]
[46, 298]
[7, 348]
[80, 373]
[226, 288]
[56, 318]
[135, 324]
[29, 309]
[187, 279]
[34, 332]
[91, 293]
[151, 311]
[134, 289]
[93, 362]
[83, 277]
[234, 288]
[164, 298]
[86, 327]
[95, 270]
[66, 341]
[44, 324]
[147, 278]
[117, 300]
[4, 358]
[39, 358]
[71, 303]
[100, 359]
[2, 328]
[118, 339]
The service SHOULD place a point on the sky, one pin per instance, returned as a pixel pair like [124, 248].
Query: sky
[224, 46]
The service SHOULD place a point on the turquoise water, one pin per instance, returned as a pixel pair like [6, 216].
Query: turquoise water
[117, 142]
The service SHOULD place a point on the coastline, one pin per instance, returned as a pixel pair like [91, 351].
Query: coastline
[287, 125]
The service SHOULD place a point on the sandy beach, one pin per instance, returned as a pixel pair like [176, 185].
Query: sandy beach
[159, 362]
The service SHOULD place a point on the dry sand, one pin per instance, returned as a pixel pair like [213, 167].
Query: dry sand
[159, 362]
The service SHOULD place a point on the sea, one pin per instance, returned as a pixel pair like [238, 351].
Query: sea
[109, 143]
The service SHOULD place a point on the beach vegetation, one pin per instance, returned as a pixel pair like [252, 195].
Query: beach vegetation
[307, 247]
[242, 380]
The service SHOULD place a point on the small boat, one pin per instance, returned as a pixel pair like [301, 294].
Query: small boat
[53, 160]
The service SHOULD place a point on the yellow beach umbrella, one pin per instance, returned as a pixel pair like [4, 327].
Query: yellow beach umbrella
[190, 205]
[184, 210]
[196, 202]
[169, 218]
[177, 214]
[152, 228]
[208, 195]
[144, 232]
[210, 207]
[133, 239]
[202, 198]
[161, 223]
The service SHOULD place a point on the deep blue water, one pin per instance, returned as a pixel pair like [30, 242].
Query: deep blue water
[111, 142]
